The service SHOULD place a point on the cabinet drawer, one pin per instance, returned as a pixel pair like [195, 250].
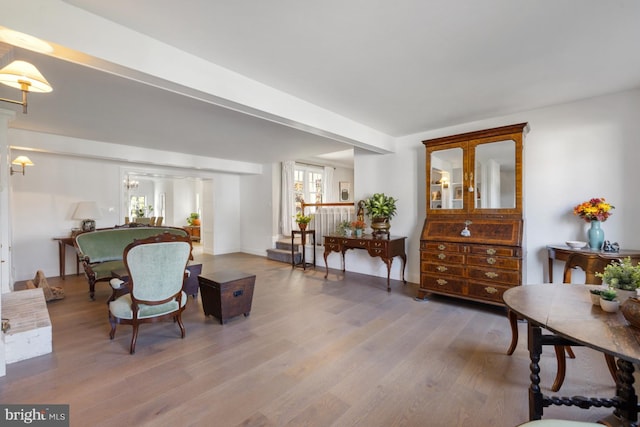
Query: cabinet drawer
[494, 261]
[442, 269]
[356, 243]
[381, 252]
[487, 291]
[335, 247]
[329, 240]
[495, 275]
[493, 250]
[442, 247]
[442, 257]
[441, 283]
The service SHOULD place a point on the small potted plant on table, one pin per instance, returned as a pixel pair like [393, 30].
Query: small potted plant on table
[302, 220]
[625, 276]
[359, 226]
[608, 301]
[344, 228]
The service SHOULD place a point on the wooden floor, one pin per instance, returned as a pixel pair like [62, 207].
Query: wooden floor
[314, 352]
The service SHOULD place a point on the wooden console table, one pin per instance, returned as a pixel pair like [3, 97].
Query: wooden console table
[385, 247]
[194, 232]
[562, 252]
[63, 242]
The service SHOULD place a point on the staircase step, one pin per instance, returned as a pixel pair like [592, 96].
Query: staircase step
[283, 255]
[286, 245]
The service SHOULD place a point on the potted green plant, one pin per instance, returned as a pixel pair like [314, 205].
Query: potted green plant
[608, 301]
[380, 208]
[302, 220]
[359, 226]
[344, 228]
[595, 296]
[621, 275]
[194, 219]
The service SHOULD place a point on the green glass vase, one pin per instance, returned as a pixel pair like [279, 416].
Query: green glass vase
[596, 236]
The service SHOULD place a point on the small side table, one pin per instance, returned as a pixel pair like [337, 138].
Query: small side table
[303, 242]
[63, 242]
[226, 294]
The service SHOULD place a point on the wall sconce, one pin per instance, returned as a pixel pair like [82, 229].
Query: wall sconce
[22, 161]
[130, 184]
[88, 212]
[26, 77]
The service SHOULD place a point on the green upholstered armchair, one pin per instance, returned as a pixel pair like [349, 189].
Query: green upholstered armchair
[156, 274]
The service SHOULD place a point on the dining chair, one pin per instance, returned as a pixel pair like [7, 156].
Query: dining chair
[590, 265]
[558, 423]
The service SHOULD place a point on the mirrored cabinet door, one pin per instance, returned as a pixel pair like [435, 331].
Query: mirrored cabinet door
[496, 183]
[446, 186]
[494, 176]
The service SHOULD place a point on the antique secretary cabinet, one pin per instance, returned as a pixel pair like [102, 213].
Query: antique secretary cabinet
[471, 242]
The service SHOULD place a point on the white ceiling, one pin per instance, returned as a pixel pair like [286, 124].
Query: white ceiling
[397, 67]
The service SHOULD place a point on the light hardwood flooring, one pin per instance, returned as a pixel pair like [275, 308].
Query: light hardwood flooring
[313, 352]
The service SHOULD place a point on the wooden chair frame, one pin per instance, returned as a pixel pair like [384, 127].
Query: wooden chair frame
[135, 322]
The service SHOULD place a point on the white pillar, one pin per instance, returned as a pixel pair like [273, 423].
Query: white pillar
[5, 231]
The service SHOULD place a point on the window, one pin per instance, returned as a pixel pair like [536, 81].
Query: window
[308, 185]
[138, 206]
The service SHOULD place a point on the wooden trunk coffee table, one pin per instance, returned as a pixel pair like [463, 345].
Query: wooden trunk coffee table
[226, 294]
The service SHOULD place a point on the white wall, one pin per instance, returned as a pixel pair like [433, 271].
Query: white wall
[258, 210]
[227, 223]
[346, 175]
[573, 152]
[44, 199]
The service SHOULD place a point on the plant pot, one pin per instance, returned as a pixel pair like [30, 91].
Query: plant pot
[348, 232]
[631, 311]
[358, 232]
[595, 299]
[302, 226]
[609, 306]
[380, 225]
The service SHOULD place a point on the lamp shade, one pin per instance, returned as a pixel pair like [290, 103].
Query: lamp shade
[19, 72]
[23, 161]
[87, 210]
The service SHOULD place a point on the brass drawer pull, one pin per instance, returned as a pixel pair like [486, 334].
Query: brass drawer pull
[441, 282]
[491, 251]
[491, 261]
[491, 274]
[490, 290]
[441, 268]
[377, 244]
[442, 247]
[442, 256]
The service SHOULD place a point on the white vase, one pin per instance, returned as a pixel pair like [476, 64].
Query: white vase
[609, 306]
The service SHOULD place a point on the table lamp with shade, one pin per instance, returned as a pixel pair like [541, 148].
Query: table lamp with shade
[88, 212]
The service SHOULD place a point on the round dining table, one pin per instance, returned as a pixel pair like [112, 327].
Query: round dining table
[568, 317]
